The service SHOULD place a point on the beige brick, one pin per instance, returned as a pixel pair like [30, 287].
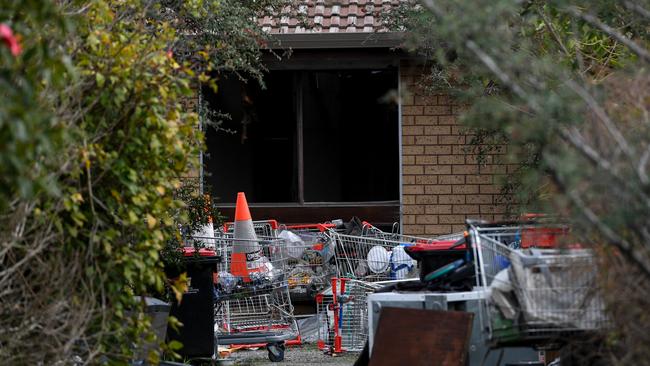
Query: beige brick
[445, 189]
[451, 139]
[408, 140]
[465, 189]
[465, 169]
[451, 179]
[478, 179]
[478, 198]
[413, 229]
[412, 169]
[451, 159]
[493, 209]
[447, 121]
[451, 199]
[451, 219]
[474, 159]
[493, 169]
[437, 150]
[512, 168]
[413, 209]
[426, 140]
[458, 109]
[426, 100]
[437, 169]
[438, 229]
[462, 150]
[408, 199]
[413, 130]
[410, 179]
[438, 110]
[412, 150]
[437, 130]
[466, 209]
[408, 189]
[408, 219]
[408, 120]
[426, 159]
[426, 219]
[412, 110]
[408, 160]
[426, 120]
[461, 130]
[489, 189]
[437, 209]
[444, 99]
[459, 227]
[426, 200]
[426, 179]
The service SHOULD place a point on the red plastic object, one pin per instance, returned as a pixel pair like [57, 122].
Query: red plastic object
[543, 237]
[203, 252]
[435, 245]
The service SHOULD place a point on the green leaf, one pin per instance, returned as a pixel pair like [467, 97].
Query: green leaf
[99, 78]
[175, 345]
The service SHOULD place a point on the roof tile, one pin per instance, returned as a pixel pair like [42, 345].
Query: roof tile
[315, 16]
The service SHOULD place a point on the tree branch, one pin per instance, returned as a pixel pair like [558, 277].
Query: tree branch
[594, 21]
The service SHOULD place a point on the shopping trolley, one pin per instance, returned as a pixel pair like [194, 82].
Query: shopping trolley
[310, 253]
[252, 296]
[342, 314]
[376, 255]
[539, 284]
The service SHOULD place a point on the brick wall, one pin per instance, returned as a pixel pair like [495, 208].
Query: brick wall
[443, 184]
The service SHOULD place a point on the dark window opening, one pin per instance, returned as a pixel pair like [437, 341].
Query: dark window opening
[309, 137]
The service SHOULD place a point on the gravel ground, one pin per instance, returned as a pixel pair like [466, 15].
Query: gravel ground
[303, 355]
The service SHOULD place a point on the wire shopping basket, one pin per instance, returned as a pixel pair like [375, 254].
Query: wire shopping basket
[342, 313]
[310, 253]
[252, 296]
[376, 255]
[540, 286]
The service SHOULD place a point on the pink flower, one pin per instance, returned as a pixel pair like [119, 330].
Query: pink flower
[8, 38]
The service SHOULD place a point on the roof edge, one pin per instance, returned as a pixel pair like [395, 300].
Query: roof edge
[336, 40]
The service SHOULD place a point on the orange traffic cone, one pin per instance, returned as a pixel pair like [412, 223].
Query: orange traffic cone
[246, 251]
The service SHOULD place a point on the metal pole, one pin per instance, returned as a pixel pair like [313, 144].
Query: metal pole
[200, 109]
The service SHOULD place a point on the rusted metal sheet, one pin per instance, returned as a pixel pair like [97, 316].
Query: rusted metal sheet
[422, 337]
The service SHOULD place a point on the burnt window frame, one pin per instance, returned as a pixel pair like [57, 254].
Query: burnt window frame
[381, 212]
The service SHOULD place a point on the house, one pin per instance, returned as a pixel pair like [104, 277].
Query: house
[343, 129]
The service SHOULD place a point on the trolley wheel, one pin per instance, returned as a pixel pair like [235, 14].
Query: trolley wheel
[276, 351]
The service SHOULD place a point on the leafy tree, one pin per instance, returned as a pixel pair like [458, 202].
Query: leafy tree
[96, 142]
[564, 84]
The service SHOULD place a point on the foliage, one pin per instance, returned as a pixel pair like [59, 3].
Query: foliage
[564, 84]
[96, 142]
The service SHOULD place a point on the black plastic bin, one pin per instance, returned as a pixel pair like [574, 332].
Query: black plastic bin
[196, 310]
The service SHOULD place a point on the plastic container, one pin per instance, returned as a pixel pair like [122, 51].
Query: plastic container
[196, 310]
[436, 254]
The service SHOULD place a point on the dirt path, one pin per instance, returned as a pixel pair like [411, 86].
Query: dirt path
[305, 355]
